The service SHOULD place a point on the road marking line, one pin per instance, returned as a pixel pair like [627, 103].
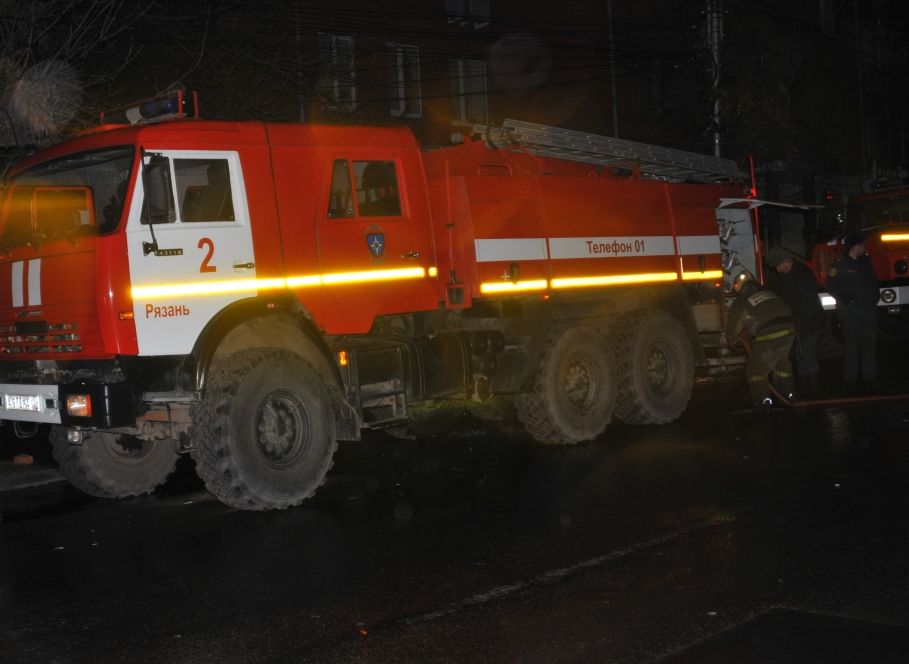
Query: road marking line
[557, 574]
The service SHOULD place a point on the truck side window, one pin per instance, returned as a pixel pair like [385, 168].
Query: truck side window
[868, 213]
[900, 209]
[877, 213]
[377, 188]
[203, 188]
[340, 200]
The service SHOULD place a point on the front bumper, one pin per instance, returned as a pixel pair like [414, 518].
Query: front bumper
[112, 404]
[892, 298]
[30, 403]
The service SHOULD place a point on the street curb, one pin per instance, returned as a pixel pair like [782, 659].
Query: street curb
[14, 477]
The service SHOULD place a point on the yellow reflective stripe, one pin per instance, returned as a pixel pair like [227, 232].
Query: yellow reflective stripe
[308, 280]
[894, 237]
[207, 288]
[709, 274]
[499, 287]
[513, 286]
[757, 379]
[782, 374]
[774, 335]
[613, 279]
[234, 286]
[373, 275]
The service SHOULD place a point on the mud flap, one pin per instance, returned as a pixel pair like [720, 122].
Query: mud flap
[347, 421]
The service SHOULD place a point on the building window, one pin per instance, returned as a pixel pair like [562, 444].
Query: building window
[468, 90]
[338, 72]
[405, 77]
[466, 12]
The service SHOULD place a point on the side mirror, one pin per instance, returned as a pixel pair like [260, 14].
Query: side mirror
[158, 207]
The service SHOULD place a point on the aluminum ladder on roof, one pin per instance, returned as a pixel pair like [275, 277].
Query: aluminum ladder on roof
[652, 160]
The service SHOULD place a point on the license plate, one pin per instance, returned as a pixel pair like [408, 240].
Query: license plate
[19, 402]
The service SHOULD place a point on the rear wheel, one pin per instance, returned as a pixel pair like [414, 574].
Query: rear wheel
[110, 465]
[656, 370]
[573, 396]
[263, 434]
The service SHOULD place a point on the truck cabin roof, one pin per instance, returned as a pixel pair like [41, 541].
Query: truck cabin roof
[210, 134]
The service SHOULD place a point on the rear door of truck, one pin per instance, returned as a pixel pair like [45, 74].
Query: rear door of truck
[376, 250]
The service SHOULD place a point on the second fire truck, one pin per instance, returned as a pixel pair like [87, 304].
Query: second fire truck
[882, 216]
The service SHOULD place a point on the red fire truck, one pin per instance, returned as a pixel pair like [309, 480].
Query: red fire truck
[253, 293]
[883, 216]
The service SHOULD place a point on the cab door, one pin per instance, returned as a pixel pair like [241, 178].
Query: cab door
[190, 246]
[376, 249]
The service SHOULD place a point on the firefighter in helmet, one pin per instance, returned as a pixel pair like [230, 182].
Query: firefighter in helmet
[761, 320]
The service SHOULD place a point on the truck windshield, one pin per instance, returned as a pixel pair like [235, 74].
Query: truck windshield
[866, 214]
[80, 194]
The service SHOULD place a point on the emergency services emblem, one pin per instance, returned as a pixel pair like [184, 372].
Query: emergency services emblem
[375, 240]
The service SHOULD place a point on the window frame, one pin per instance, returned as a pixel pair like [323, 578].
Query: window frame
[354, 181]
[332, 65]
[462, 94]
[228, 196]
[400, 103]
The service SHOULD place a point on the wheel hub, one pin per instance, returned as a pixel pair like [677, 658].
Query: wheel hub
[282, 429]
[660, 368]
[579, 385]
[126, 449]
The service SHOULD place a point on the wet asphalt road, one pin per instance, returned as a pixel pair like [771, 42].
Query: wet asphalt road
[727, 536]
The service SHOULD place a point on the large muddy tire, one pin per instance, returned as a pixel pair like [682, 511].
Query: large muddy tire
[109, 465]
[263, 434]
[573, 396]
[656, 370]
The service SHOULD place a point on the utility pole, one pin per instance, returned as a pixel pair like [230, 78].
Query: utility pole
[299, 73]
[714, 40]
[615, 100]
[859, 55]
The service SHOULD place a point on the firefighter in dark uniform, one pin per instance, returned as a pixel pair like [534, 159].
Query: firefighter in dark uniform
[763, 317]
[795, 283]
[852, 282]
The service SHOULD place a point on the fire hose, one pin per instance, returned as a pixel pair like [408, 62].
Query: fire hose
[836, 401]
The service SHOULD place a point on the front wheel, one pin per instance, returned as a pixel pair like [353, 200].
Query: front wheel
[573, 395]
[263, 434]
[110, 465]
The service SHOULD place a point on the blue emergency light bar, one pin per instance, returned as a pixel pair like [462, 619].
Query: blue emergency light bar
[173, 105]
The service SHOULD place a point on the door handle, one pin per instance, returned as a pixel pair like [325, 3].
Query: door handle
[411, 254]
[244, 266]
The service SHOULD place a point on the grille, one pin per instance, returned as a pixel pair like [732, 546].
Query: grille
[39, 337]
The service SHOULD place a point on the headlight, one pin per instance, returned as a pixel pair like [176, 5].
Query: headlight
[888, 296]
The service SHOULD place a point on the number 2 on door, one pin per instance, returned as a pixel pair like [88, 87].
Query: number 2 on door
[206, 267]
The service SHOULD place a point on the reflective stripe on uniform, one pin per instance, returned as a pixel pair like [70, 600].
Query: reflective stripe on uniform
[775, 335]
[757, 379]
